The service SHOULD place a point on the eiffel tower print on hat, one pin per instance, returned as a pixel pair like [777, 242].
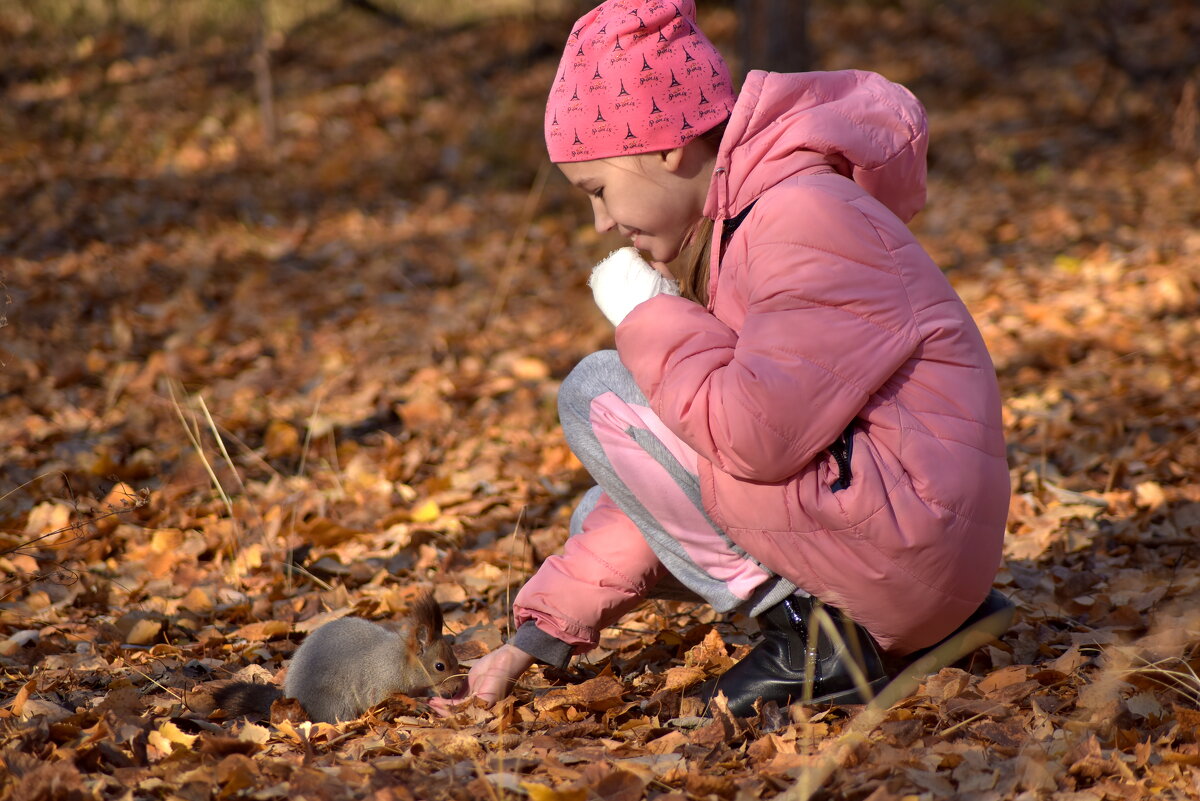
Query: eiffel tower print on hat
[647, 92]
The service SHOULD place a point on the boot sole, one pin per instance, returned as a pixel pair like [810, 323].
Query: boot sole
[849, 696]
[843, 697]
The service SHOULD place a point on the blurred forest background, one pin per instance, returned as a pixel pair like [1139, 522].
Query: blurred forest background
[286, 292]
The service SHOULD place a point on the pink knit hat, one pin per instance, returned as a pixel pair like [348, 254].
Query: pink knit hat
[637, 76]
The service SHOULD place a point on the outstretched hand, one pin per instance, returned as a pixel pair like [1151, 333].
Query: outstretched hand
[490, 679]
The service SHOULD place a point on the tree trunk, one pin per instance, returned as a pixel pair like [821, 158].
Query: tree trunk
[773, 35]
[261, 66]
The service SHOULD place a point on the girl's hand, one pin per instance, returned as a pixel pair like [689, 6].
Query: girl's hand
[625, 279]
[491, 678]
[665, 271]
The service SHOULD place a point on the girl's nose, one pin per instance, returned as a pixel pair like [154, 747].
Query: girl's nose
[604, 223]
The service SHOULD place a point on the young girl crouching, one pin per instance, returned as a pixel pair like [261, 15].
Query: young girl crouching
[800, 419]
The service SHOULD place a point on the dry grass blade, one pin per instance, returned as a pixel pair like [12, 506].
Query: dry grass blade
[842, 641]
[1172, 673]
[193, 435]
[811, 779]
[212, 427]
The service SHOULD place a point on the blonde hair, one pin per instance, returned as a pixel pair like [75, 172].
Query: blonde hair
[694, 263]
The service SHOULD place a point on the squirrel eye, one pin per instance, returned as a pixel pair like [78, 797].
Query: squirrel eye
[439, 666]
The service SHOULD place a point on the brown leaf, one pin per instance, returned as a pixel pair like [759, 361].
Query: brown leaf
[947, 683]
[598, 694]
[140, 628]
[1049, 703]
[620, 785]
[263, 630]
[669, 743]
[763, 749]
[677, 678]
[17, 705]
[540, 792]
[1188, 724]
[237, 772]
[709, 653]
[902, 733]
[963, 707]
[48, 711]
[1014, 694]
[326, 533]
[123, 701]
[704, 784]
[1001, 678]
[282, 440]
[1185, 755]
[53, 780]
[1006, 735]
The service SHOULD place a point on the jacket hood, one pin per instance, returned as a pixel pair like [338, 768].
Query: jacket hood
[858, 123]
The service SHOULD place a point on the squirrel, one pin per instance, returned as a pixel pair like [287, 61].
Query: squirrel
[349, 665]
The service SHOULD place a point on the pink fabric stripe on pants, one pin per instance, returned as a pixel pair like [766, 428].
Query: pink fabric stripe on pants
[662, 496]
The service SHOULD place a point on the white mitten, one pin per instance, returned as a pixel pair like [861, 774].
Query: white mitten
[623, 280]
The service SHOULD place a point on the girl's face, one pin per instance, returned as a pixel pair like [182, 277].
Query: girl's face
[653, 199]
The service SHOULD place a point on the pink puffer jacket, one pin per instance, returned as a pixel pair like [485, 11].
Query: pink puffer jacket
[825, 310]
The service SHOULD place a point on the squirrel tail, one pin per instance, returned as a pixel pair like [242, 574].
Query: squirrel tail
[242, 698]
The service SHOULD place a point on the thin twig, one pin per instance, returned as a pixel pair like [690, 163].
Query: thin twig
[508, 582]
[516, 246]
[308, 438]
[944, 733]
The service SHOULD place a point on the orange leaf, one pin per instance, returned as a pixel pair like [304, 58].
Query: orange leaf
[600, 693]
[263, 630]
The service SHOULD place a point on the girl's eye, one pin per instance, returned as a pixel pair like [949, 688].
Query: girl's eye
[439, 667]
[598, 194]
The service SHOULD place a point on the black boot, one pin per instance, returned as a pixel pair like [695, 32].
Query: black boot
[782, 668]
[987, 623]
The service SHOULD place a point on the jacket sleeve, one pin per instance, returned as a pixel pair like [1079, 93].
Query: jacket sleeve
[602, 573]
[827, 322]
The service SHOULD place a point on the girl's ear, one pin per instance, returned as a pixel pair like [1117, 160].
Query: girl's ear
[672, 159]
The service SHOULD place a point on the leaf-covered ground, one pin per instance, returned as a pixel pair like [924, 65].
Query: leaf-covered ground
[250, 382]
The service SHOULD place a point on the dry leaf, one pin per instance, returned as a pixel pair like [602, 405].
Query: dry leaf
[263, 630]
[598, 694]
[540, 792]
[677, 678]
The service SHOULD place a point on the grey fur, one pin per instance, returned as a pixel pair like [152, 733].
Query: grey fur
[331, 686]
[349, 665]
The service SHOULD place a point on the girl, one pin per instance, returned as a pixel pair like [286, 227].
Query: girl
[800, 414]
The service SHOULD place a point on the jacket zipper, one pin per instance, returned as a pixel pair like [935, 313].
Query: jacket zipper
[842, 449]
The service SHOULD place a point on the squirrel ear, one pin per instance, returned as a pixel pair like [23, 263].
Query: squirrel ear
[427, 619]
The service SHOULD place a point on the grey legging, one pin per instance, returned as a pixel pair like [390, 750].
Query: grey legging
[650, 474]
